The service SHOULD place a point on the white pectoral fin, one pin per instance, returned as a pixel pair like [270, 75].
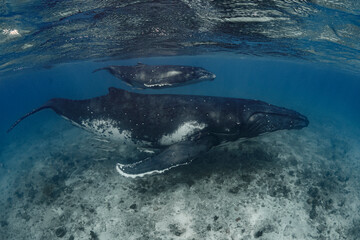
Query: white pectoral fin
[178, 154]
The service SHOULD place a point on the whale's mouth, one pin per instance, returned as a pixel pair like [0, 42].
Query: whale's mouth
[209, 76]
[297, 119]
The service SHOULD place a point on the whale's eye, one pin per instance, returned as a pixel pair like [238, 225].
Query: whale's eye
[255, 117]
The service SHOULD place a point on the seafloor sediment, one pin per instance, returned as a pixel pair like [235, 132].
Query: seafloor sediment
[283, 185]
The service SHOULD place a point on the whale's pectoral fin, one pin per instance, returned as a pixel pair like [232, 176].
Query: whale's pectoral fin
[173, 156]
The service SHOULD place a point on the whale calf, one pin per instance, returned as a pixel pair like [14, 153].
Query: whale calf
[179, 127]
[144, 76]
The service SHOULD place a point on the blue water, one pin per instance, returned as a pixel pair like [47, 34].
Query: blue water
[313, 89]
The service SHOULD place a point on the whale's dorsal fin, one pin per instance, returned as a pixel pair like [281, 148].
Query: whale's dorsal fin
[118, 91]
[113, 90]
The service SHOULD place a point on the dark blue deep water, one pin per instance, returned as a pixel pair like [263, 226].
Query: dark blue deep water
[58, 181]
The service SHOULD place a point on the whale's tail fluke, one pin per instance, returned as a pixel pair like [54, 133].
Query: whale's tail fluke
[46, 105]
[99, 69]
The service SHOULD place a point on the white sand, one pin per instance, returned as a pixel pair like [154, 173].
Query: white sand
[284, 185]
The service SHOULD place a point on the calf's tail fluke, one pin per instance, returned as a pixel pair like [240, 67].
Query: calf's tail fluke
[99, 69]
[47, 105]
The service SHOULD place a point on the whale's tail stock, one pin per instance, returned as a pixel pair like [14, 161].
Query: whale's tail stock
[48, 104]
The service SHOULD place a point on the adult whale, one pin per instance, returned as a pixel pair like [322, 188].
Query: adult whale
[159, 76]
[179, 127]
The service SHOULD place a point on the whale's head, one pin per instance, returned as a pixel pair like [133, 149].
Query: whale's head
[201, 74]
[264, 117]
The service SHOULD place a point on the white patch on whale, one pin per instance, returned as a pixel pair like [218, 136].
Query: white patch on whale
[157, 84]
[106, 128]
[145, 150]
[170, 74]
[180, 134]
[141, 76]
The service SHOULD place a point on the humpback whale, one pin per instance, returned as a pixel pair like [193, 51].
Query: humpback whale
[144, 76]
[179, 127]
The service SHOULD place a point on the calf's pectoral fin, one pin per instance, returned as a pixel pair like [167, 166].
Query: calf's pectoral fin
[178, 154]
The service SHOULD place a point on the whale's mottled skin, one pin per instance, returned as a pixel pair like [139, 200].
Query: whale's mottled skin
[180, 126]
[144, 76]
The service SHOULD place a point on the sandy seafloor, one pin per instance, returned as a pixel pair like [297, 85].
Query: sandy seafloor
[60, 182]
